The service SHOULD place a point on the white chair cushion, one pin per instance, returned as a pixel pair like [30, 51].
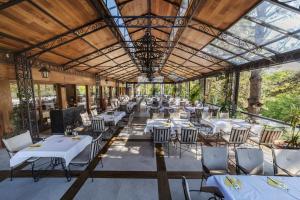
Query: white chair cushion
[18, 142]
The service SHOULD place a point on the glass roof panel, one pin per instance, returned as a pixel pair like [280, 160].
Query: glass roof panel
[238, 60]
[228, 47]
[254, 32]
[263, 52]
[285, 45]
[276, 16]
[236, 41]
[217, 52]
[293, 3]
[251, 56]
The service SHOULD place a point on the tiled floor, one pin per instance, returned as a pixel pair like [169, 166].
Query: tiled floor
[130, 154]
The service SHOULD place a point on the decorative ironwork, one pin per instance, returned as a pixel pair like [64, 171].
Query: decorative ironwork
[26, 95]
[97, 95]
[148, 54]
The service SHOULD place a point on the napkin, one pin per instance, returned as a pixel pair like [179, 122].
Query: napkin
[76, 137]
[36, 145]
[233, 182]
[276, 183]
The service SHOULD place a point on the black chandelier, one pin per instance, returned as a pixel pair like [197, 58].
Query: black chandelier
[149, 54]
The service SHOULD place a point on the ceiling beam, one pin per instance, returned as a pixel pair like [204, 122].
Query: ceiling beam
[10, 3]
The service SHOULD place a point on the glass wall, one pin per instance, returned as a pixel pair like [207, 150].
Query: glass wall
[81, 95]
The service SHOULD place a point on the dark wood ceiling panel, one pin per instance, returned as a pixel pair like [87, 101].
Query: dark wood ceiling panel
[221, 14]
[72, 13]
[74, 49]
[116, 53]
[161, 7]
[102, 38]
[10, 44]
[51, 57]
[195, 38]
[203, 62]
[97, 60]
[26, 22]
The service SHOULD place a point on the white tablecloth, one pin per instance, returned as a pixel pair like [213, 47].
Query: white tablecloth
[55, 146]
[115, 118]
[175, 124]
[227, 124]
[257, 188]
[192, 109]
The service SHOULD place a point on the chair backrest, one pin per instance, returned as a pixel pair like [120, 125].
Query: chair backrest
[288, 159]
[85, 119]
[98, 124]
[94, 113]
[161, 134]
[186, 189]
[250, 159]
[188, 135]
[215, 158]
[268, 136]
[184, 115]
[239, 135]
[95, 147]
[213, 111]
[198, 112]
[17, 143]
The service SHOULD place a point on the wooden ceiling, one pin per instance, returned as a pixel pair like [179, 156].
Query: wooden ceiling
[71, 34]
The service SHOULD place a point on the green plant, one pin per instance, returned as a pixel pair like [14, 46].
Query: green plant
[293, 137]
[194, 94]
[225, 106]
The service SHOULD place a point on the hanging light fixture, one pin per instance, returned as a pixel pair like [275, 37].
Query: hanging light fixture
[149, 54]
[44, 72]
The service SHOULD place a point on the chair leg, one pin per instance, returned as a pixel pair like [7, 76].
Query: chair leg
[196, 150]
[35, 178]
[101, 162]
[180, 150]
[168, 149]
[11, 173]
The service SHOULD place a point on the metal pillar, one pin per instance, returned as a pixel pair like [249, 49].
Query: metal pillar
[98, 98]
[27, 108]
[204, 90]
[235, 91]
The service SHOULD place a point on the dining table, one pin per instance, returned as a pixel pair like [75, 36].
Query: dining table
[61, 147]
[174, 124]
[112, 116]
[251, 187]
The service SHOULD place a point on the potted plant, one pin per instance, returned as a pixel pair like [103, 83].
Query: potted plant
[291, 138]
[224, 110]
[194, 95]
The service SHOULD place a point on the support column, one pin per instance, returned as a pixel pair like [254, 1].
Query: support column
[204, 90]
[134, 90]
[88, 98]
[235, 92]
[26, 95]
[6, 108]
[61, 94]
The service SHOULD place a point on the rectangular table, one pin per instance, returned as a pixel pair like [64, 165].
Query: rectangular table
[227, 124]
[55, 146]
[115, 117]
[174, 124]
[257, 188]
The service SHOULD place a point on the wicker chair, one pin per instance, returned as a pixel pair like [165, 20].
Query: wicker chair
[189, 137]
[162, 135]
[267, 137]
[286, 162]
[249, 161]
[237, 136]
